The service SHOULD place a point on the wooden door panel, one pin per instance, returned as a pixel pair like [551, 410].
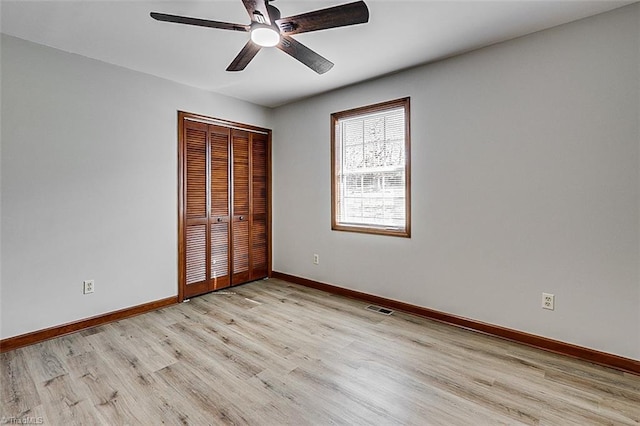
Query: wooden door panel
[240, 251]
[196, 170]
[196, 254]
[219, 172]
[240, 213]
[219, 215]
[259, 255]
[259, 174]
[195, 244]
[259, 200]
[220, 255]
[240, 140]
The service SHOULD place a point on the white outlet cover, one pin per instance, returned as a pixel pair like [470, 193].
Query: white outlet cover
[548, 301]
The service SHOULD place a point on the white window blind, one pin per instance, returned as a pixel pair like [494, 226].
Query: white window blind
[371, 169]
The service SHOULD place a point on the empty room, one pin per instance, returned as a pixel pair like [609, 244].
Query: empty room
[320, 212]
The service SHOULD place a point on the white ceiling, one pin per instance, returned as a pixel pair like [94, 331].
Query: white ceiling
[399, 35]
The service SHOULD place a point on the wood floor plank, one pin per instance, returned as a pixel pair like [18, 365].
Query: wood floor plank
[19, 393]
[64, 401]
[143, 346]
[44, 361]
[274, 353]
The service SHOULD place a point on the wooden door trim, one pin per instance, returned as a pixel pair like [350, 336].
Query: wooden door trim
[182, 192]
[207, 191]
[250, 212]
[269, 177]
[224, 123]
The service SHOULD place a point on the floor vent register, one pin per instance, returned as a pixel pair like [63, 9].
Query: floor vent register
[379, 309]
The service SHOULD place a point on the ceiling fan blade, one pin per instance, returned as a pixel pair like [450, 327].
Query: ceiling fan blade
[244, 57]
[257, 11]
[305, 55]
[199, 22]
[332, 17]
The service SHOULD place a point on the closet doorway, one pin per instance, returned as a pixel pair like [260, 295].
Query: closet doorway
[224, 204]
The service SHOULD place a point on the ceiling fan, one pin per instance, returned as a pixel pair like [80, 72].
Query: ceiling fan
[268, 29]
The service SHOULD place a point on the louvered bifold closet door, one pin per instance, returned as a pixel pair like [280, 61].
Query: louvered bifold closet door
[240, 214]
[223, 204]
[219, 218]
[196, 247]
[259, 208]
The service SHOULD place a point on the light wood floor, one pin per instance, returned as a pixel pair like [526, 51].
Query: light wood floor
[273, 353]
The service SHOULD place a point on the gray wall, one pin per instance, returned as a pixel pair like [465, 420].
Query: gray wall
[89, 184]
[525, 179]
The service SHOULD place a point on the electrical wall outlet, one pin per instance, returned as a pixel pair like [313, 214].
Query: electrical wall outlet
[548, 301]
[88, 286]
[316, 259]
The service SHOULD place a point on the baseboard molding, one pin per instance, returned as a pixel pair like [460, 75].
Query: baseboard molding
[16, 342]
[591, 355]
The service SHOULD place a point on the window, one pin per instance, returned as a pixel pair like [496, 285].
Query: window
[370, 176]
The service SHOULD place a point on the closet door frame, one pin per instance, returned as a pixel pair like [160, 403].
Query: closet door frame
[182, 189]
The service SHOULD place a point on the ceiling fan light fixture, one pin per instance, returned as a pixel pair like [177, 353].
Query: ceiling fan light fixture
[265, 36]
